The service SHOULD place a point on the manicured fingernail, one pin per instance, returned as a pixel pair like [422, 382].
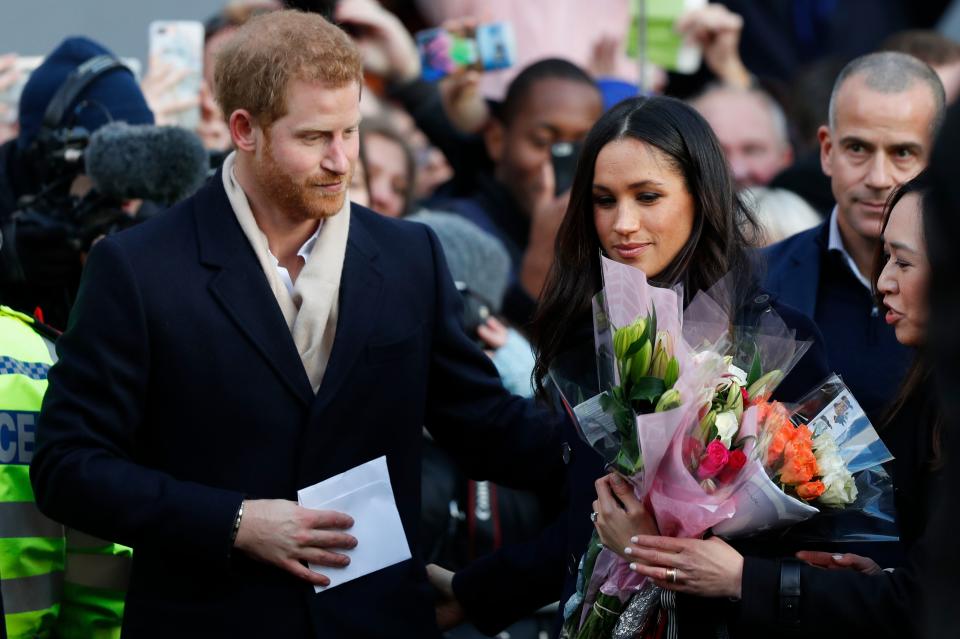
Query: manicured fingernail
[628, 550]
[633, 567]
[634, 540]
[838, 557]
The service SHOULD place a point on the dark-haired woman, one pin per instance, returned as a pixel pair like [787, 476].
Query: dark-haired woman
[853, 596]
[652, 190]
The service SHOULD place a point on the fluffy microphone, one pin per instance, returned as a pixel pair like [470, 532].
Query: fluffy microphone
[164, 164]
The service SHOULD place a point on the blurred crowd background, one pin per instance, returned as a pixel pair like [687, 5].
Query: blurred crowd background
[483, 146]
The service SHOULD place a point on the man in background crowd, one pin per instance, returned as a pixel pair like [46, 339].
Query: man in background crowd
[884, 112]
[751, 129]
[550, 102]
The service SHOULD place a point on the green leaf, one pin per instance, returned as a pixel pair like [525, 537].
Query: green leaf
[625, 421]
[647, 389]
[652, 324]
[606, 401]
[590, 558]
[634, 348]
[756, 372]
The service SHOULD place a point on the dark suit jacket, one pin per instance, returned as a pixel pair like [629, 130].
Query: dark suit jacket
[861, 347]
[793, 268]
[179, 392]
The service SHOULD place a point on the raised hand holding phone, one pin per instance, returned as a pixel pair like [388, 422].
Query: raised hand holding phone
[176, 70]
[487, 47]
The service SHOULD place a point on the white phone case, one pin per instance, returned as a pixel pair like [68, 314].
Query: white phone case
[179, 43]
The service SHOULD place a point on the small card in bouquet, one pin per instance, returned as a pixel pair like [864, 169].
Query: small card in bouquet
[831, 407]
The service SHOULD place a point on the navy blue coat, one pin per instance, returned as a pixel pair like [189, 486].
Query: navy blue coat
[179, 392]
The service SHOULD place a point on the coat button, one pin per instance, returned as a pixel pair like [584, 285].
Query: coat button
[565, 452]
[763, 298]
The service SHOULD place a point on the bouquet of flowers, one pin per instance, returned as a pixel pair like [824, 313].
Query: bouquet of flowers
[818, 455]
[802, 464]
[707, 462]
[648, 390]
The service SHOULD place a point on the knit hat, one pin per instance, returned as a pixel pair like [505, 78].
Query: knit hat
[474, 257]
[116, 92]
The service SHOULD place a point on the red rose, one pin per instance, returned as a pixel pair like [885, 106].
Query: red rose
[713, 462]
[734, 465]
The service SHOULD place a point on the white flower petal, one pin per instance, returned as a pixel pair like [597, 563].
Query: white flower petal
[739, 373]
[727, 426]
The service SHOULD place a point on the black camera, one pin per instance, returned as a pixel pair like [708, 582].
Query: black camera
[54, 224]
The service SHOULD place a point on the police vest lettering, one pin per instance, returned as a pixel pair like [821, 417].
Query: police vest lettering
[17, 436]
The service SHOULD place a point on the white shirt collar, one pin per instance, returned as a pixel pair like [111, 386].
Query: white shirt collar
[304, 252]
[307, 247]
[835, 243]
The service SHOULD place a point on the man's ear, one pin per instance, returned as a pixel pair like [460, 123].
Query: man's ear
[493, 138]
[787, 157]
[244, 130]
[826, 148]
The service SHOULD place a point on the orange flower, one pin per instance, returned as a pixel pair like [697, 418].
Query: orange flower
[799, 462]
[781, 437]
[810, 490]
[802, 432]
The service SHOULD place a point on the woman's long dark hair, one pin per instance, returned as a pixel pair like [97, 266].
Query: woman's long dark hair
[919, 376]
[723, 228]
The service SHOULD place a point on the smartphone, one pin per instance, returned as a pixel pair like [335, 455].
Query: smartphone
[179, 43]
[10, 97]
[488, 48]
[564, 156]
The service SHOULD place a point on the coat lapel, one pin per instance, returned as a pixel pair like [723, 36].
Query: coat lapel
[360, 287]
[801, 276]
[241, 288]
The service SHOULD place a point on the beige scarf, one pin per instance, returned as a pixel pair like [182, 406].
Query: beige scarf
[311, 312]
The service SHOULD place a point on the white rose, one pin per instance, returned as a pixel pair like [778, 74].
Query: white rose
[727, 426]
[828, 456]
[824, 441]
[840, 489]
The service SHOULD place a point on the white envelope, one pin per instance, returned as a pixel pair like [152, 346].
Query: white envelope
[365, 494]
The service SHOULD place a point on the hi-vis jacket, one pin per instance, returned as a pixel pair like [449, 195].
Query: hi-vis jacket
[53, 582]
